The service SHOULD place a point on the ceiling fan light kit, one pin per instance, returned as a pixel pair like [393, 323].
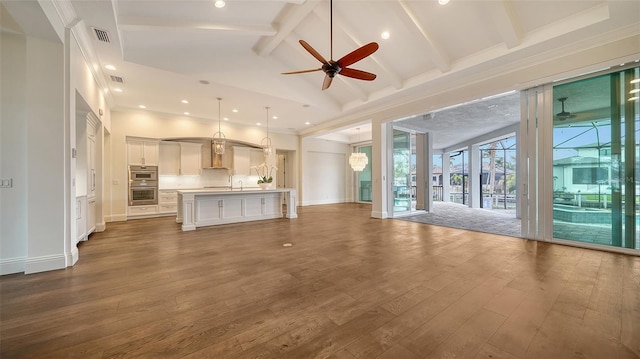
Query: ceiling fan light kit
[563, 115]
[332, 68]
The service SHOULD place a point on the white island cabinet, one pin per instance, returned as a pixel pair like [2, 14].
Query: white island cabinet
[210, 207]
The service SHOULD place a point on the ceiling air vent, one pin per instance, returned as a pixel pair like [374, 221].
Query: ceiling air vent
[117, 79]
[102, 35]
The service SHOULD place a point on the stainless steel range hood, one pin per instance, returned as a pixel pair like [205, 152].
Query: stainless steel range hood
[216, 159]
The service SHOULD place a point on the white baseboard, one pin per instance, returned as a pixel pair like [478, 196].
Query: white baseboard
[116, 218]
[378, 214]
[75, 255]
[100, 227]
[324, 201]
[44, 263]
[12, 265]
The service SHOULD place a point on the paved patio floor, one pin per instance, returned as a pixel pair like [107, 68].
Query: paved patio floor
[454, 215]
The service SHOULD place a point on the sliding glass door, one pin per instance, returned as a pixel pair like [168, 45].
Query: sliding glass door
[363, 178]
[595, 160]
[404, 172]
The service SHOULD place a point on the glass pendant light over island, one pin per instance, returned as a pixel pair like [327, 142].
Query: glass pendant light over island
[266, 142]
[219, 138]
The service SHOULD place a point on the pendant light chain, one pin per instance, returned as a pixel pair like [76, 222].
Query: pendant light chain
[218, 142]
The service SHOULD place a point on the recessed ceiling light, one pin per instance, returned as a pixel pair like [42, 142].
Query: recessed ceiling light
[234, 110]
[306, 105]
[385, 35]
[184, 101]
[258, 124]
[275, 117]
[110, 67]
[142, 106]
[443, 2]
[204, 82]
[219, 4]
[187, 113]
[226, 118]
[307, 123]
[117, 89]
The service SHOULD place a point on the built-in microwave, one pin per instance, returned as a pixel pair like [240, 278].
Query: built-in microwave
[143, 192]
[147, 173]
[143, 185]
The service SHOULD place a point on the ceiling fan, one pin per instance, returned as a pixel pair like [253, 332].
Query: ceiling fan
[564, 115]
[332, 68]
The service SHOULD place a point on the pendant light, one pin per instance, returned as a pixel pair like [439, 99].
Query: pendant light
[219, 141]
[357, 160]
[266, 142]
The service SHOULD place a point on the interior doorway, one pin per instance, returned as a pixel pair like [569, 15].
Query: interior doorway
[284, 174]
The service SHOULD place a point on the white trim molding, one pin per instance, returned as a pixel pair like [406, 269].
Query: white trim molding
[44, 263]
[12, 265]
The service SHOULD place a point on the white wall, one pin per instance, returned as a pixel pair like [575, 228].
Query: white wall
[37, 133]
[13, 153]
[325, 172]
[149, 124]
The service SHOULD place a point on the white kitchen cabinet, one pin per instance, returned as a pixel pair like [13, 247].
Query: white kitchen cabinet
[81, 222]
[180, 158]
[256, 157]
[91, 215]
[167, 202]
[91, 165]
[142, 152]
[142, 211]
[190, 158]
[169, 162]
[244, 158]
[241, 161]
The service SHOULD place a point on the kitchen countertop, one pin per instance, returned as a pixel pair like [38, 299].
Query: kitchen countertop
[230, 191]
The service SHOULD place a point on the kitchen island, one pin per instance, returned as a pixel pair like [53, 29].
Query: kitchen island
[211, 207]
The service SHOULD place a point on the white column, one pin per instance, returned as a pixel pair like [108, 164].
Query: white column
[474, 176]
[446, 176]
[292, 203]
[429, 172]
[187, 209]
[381, 153]
[518, 176]
[422, 180]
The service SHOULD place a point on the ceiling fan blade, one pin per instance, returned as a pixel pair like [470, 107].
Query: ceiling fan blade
[357, 54]
[357, 74]
[327, 82]
[301, 71]
[313, 52]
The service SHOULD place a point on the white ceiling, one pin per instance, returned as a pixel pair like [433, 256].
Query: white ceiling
[163, 49]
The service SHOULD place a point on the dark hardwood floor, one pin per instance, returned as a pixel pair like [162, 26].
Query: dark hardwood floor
[349, 287]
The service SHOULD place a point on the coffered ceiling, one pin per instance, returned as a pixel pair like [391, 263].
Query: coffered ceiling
[166, 51]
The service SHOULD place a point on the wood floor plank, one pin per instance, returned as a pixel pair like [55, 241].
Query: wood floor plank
[350, 287]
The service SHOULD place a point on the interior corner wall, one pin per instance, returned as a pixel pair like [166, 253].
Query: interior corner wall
[45, 155]
[326, 175]
[13, 153]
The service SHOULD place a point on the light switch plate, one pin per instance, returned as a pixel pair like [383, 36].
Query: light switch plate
[6, 183]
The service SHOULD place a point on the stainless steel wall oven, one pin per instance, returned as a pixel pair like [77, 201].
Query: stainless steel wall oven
[143, 185]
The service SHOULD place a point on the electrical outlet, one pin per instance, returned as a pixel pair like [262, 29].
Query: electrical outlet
[6, 183]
